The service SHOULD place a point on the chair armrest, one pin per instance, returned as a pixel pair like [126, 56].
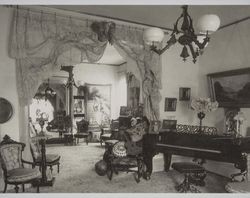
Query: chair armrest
[28, 162]
[102, 131]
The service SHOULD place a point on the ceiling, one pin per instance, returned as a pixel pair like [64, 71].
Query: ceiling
[155, 15]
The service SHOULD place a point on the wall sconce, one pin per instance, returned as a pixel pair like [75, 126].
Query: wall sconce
[207, 24]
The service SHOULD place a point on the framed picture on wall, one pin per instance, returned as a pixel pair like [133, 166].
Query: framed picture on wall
[231, 88]
[184, 93]
[125, 111]
[170, 104]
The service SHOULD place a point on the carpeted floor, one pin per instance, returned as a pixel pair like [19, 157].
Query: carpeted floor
[77, 175]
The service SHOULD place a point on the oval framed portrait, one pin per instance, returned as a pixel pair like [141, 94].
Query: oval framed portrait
[6, 110]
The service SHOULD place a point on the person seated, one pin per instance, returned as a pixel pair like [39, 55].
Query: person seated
[139, 127]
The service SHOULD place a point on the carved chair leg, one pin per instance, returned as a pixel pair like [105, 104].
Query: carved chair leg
[37, 189]
[16, 188]
[23, 187]
[5, 187]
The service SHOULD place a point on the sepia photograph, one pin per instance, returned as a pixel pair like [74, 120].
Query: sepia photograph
[148, 98]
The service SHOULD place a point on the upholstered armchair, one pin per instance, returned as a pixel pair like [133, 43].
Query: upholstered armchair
[13, 165]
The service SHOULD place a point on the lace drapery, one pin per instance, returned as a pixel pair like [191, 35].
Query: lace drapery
[130, 41]
[41, 43]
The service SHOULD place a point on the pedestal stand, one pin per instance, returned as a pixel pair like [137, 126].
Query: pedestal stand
[42, 137]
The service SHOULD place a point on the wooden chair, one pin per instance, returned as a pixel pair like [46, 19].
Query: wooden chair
[82, 131]
[109, 132]
[51, 159]
[128, 155]
[13, 165]
[119, 159]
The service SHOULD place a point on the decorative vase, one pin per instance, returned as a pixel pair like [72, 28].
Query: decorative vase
[201, 116]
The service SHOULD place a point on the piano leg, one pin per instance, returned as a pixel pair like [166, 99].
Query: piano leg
[167, 161]
[148, 161]
[242, 164]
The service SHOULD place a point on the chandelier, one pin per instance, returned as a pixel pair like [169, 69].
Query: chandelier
[49, 92]
[186, 36]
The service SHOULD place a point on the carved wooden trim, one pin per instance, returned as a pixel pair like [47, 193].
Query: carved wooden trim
[193, 129]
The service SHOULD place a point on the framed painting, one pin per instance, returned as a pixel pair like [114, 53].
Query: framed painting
[125, 111]
[230, 88]
[98, 103]
[184, 93]
[170, 104]
[79, 106]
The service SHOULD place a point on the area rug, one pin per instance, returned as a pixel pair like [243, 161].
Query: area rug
[77, 175]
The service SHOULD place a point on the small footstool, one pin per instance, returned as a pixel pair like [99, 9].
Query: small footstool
[194, 174]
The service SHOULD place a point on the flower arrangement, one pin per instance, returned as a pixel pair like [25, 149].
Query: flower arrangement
[204, 105]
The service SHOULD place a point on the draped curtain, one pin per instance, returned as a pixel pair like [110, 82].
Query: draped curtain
[40, 43]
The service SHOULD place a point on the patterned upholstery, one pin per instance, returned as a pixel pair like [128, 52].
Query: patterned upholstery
[35, 149]
[49, 158]
[12, 165]
[23, 174]
[11, 156]
[119, 149]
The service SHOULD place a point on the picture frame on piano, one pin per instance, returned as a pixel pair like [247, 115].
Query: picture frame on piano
[154, 127]
[168, 125]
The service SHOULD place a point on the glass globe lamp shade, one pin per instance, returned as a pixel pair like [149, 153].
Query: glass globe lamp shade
[152, 35]
[208, 23]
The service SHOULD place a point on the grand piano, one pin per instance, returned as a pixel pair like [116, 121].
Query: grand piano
[189, 141]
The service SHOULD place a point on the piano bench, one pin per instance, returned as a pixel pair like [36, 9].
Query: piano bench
[194, 174]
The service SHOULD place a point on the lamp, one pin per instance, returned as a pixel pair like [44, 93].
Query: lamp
[207, 24]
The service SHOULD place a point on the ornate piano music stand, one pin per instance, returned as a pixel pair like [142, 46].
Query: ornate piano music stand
[42, 137]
